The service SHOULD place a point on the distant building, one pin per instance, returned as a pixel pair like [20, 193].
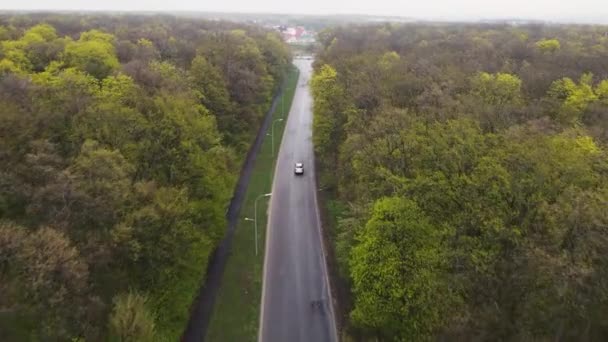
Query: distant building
[299, 31]
[295, 35]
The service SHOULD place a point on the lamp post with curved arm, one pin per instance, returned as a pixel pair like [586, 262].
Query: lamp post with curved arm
[255, 219]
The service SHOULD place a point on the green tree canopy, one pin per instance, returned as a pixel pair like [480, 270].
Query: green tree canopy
[398, 276]
[93, 53]
[548, 45]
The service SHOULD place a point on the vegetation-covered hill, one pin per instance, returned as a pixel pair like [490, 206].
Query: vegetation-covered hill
[120, 141]
[468, 171]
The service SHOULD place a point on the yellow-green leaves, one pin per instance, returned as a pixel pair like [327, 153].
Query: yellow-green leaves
[497, 89]
[40, 33]
[98, 36]
[327, 94]
[329, 116]
[93, 53]
[388, 60]
[15, 56]
[586, 144]
[602, 91]
[120, 88]
[548, 45]
[397, 271]
[33, 51]
[6, 66]
[577, 97]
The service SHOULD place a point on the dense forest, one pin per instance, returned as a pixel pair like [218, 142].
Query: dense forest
[121, 138]
[466, 177]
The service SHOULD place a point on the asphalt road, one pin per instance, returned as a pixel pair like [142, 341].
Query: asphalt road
[296, 303]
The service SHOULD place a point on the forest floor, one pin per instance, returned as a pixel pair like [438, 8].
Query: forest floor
[237, 307]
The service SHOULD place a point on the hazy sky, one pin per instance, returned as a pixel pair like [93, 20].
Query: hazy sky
[582, 10]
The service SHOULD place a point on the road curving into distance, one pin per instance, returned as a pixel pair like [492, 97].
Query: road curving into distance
[296, 300]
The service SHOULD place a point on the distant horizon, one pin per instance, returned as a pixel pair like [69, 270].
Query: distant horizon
[601, 20]
[581, 11]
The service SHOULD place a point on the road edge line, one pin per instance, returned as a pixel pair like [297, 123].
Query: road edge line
[269, 213]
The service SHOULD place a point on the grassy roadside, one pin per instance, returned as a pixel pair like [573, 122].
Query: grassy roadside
[332, 210]
[237, 308]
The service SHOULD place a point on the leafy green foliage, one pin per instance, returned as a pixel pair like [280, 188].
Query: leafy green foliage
[329, 116]
[471, 170]
[548, 45]
[397, 272]
[92, 53]
[576, 97]
[499, 89]
[119, 154]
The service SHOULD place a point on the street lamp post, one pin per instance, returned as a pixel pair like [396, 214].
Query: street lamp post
[272, 138]
[255, 219]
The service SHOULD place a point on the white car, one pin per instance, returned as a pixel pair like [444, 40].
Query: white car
[299, 169]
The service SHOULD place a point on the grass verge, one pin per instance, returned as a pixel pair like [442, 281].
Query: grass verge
[237, 307]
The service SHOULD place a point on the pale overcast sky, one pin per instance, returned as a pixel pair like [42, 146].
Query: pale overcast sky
[577, 10]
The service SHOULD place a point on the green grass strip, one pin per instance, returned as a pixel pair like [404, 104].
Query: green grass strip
[237, 307]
